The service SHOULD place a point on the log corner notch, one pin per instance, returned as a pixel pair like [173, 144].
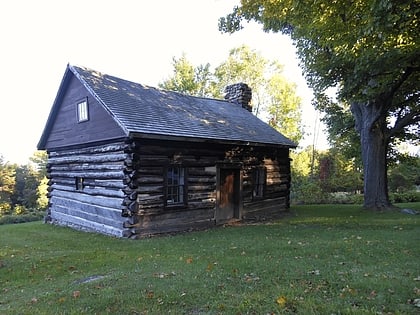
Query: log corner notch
[129, 204]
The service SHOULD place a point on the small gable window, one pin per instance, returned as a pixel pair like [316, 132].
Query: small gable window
[259, 182]
[82, 111]
[175, 186]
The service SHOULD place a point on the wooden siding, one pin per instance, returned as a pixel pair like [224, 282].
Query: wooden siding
[146, 184]
[124, 185]
[66, 130]
[97, 205]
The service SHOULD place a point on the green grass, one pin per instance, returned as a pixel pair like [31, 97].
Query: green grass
[324, 259]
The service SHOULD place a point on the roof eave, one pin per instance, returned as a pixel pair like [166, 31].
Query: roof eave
[51, 117]
[154, 136]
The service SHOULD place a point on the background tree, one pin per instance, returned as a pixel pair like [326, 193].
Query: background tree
[273, 97]
[189, 79]
[370, 51]
[283, 114]
[25, 190]
[7, 185]
[245, 65]
[405, 174]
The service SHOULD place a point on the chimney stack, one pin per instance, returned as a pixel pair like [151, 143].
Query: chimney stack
[239, 93]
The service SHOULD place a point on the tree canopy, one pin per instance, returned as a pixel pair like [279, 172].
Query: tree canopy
[369, 50]
[273, 96]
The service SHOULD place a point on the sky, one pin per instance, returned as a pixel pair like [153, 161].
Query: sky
[132, 39]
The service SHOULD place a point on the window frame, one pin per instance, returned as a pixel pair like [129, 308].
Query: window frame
[259, 182]
[79, 183]
[82, 109]
[173, 189]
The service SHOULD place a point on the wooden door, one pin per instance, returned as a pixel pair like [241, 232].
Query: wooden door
[228, 195]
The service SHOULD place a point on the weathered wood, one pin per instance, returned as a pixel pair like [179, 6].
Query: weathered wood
[91, 212]
[81, 224]
[107, 202]
[97, 191]
[129, 180]
[88, 158]
[89, 174]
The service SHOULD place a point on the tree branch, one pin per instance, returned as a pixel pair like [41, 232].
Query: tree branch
[404, 121]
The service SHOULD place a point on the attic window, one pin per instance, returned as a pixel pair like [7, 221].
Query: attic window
[82, 111]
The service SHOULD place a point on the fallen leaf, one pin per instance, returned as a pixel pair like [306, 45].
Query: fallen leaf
[76, 294]
[281, 301]
[189, 260]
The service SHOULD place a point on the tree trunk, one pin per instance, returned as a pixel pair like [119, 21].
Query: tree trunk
[371, 126]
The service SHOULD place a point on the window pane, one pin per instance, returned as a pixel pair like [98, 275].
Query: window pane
[175, 185]
[82, 111]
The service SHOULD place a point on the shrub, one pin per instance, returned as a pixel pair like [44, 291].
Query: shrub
[19, 210]
[409, 196]
[5, 208]
[29, 216]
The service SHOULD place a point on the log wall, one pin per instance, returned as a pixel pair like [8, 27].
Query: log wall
[123, 191]
[95, 204]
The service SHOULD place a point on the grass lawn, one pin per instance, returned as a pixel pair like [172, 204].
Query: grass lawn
[327, 259]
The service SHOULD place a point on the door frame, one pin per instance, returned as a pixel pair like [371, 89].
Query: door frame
[237, 186]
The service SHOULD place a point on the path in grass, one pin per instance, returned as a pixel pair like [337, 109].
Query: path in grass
[319, 260]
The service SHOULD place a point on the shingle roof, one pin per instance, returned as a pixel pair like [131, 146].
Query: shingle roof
[146, 110]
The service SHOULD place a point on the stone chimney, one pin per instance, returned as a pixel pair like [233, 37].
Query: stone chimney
[239, 93]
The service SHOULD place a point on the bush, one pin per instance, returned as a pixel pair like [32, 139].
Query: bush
[31, 215]
[307, 191]
[409, 196]
[5, 208]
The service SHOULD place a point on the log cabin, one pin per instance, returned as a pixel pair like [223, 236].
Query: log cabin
[130, 160]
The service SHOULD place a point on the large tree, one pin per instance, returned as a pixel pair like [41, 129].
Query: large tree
[370, 51]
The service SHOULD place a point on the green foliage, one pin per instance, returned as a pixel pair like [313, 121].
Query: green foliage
[42, 191]
[370, 52]
[189, 79]
[272, 95]
[404, 175]
[25, 192]
[283, 114]
[408, 196]
[29, 216]
[23, 187]
[319, 260]
[7, 184]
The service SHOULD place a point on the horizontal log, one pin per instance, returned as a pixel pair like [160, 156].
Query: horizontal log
[97, 149]
[88, 174]
[96, 191]
[149, 179]
[90, 212]
[265, 205]
[141, 232]
[107, 202]
[156, 170]
[81, 224]
[88, 158]
[116, 166]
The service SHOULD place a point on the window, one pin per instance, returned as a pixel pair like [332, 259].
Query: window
[82, 111]
[175, 186]
[79, 182]
[259, 181]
